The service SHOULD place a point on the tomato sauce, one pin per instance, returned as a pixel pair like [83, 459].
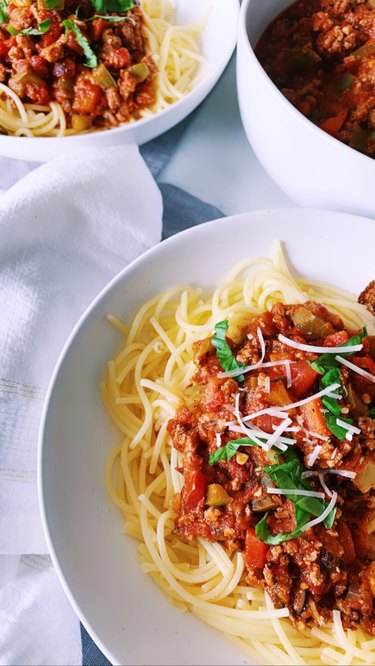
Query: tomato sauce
[232, 495]
[321, 55]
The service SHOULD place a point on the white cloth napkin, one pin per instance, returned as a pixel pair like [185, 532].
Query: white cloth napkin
[65, 230]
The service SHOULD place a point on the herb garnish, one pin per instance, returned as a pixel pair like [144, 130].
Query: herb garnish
[103, 6]
[53, 4]
[223, 350]
[3, 11]
[328, 366]
[42, 28]
[326, 362]
[288, 476]
[110, 18]
[91, 58]
[230, 449]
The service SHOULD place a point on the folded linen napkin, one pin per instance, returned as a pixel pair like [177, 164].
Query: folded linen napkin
[66, 229]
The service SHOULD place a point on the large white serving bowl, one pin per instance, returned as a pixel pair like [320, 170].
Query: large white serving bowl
[313, 168]
[122, 608]
[218, 42]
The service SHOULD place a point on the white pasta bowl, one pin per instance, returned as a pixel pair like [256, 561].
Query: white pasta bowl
[313, 168]
[218, 41]
[124, 611]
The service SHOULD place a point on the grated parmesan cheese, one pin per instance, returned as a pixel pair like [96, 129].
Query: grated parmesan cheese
[318, 350]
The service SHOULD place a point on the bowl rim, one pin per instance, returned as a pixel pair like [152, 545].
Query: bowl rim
[206, 82]
[332, 141]
[86, 315]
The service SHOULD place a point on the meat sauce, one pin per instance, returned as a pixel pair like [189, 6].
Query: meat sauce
[321, 55]
[103, 87]
[226, 499]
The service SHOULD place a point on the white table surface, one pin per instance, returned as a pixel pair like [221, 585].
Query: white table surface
[214, 160]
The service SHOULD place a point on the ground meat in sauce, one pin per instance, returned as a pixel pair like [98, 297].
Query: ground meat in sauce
[52, 66]
[323, 569]
[321, 55]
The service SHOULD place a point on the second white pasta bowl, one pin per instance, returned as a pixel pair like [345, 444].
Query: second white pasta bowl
[312, 167]
[218, 40]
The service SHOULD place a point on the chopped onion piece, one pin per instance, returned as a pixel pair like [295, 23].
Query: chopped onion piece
[355, 368]
[267, 385]
[323, 515]
[319, 350]
[218, 440]
[291, 491]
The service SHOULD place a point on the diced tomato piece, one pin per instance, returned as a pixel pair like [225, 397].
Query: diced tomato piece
[336, 339]
[303, 377]
[193, 493]
[86, 97]
[334, 124]
[97, 27]
[314, 419]
[214, 398]
[39, 65]
[365, 362]
[4, 48]
[278, 395]
[363, 385]
[255, 550]
[38, 93]
[346, 540]
[361, 538]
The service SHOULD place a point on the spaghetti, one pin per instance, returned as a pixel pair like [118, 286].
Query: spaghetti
[144, 388]
[176, 54]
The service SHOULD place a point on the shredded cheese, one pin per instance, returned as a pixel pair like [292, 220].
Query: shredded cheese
[355, 368]
[323, 515]
[324, 391]
[296, 491]
[313, 455]
[318, 350]
[323, 484]
[273, 440]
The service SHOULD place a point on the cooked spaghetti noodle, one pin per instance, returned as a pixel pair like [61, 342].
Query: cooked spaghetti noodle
[175, 50]
[144, 388]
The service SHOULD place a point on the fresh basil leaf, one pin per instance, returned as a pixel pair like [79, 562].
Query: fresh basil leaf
[53, 4]
[332, 404]
[223, 350]
[324, 363]
[110, 18]
[288, 476]
[337, 430]
[91, 58]
[332, 376]
[230, 449]
[119, 5]
[263, 533]
[3, 12]
[42, 28]
[327, 362]
[371, 412]
[103, 6]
